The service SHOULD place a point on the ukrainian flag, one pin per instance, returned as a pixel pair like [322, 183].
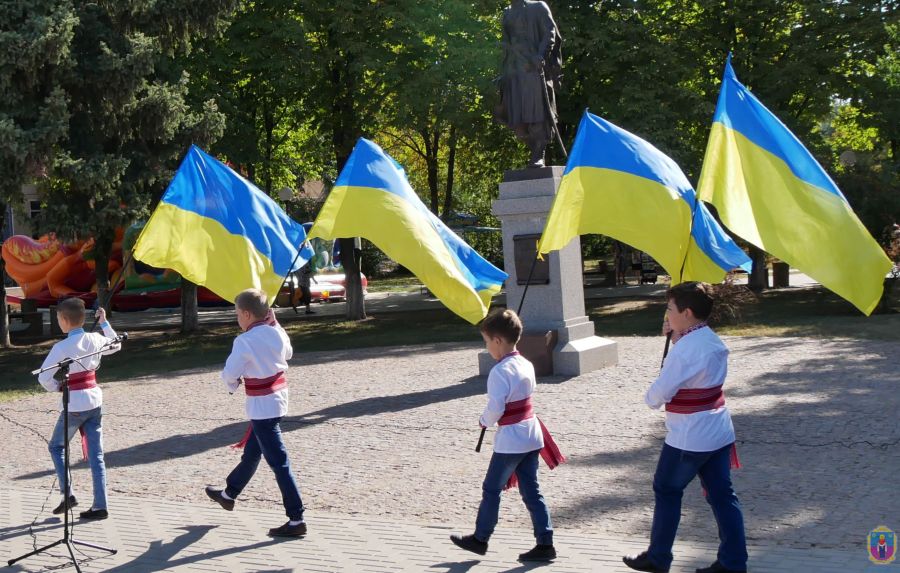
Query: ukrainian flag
[372, 198]
[617, 184]
[220, 231]
[771, 191]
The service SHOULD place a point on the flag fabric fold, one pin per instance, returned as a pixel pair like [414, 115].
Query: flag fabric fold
[220, 231]
[769, 189]
[372, 198]
[618, 185]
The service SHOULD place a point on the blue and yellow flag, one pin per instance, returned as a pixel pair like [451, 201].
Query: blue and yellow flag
[618, 185]
[372, 198]
[220, 231]
[771, 191]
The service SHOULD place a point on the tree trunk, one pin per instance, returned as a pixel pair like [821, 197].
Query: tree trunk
[4, 320]
[356, 304]
[431, 167]
[759, 274]
[102, 248]
[451, 166]
[190, 320]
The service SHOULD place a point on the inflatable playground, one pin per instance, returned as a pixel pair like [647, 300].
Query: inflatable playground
[48, 270]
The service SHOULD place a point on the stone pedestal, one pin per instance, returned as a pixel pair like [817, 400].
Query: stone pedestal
[558, 303]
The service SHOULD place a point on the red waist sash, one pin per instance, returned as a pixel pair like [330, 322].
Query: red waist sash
[260, 387]
[691, 401]
[522, 410]
[265, 386]
[82, 380]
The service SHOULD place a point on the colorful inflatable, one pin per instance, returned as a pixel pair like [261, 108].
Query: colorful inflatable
[48, 270]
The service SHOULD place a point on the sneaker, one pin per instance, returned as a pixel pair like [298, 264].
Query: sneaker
[470, 543]
[94, 514]
[288, 530]
[643, 562]
[65, 505]
[539, 552]
[216, 495]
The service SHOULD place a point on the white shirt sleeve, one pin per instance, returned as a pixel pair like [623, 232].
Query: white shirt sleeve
[675, 372]
[46, 378]
[498, 390]
[235, 364]
[109, 332]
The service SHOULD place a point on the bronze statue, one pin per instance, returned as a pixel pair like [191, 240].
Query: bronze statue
[532, 66]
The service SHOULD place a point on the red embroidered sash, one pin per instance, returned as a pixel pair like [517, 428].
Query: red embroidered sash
[522, 410]
[260, 387]
[693, 400]
[265, 386]
[82, 380]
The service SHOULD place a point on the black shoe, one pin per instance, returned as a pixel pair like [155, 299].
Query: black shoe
[216, 495]
[469, 543]
[309, 311]
[63, 506]
[539, 552]
[719, 568]
[288, 530]
[642, 562]
[94, 514]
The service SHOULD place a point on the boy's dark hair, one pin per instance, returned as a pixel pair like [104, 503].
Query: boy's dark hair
[694, 295]
[503, 323]
[73, 310]
[254, 301]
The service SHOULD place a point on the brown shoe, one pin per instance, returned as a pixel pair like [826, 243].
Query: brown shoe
[216, 495]
[288, 530]
[65, 505]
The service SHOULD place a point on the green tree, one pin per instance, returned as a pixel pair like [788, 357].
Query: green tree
[34, 51]
[129, 121]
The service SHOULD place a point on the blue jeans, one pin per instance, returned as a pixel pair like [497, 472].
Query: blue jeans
[265, 441]
[499, 471]
[675, 470]
[90, 421]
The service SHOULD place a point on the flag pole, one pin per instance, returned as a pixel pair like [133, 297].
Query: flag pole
[681, 272]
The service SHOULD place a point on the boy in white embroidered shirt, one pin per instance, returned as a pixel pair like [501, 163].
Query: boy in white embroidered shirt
[518, 443]
[700, 438]
[259, 358]
[85, 399]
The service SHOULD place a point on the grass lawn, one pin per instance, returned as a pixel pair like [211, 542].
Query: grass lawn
[798, 312]
[812, 312]
[158, 352]
[395, 284]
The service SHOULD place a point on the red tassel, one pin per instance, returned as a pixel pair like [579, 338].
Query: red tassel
[240, 445]
[84, 448]
[550, 453]
[735, 461]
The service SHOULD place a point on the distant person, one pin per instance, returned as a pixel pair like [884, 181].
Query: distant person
[700, 438]
[85, 400]
[259, 359]
[305, 277]
[518, 443]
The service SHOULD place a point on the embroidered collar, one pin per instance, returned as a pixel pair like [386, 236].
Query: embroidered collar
[510, 355]
[691, 329]
[255, 324]
[75, 332]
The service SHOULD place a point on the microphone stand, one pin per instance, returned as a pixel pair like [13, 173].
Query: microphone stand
[63, 375]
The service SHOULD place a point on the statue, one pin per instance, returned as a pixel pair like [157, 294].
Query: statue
[532, 66]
